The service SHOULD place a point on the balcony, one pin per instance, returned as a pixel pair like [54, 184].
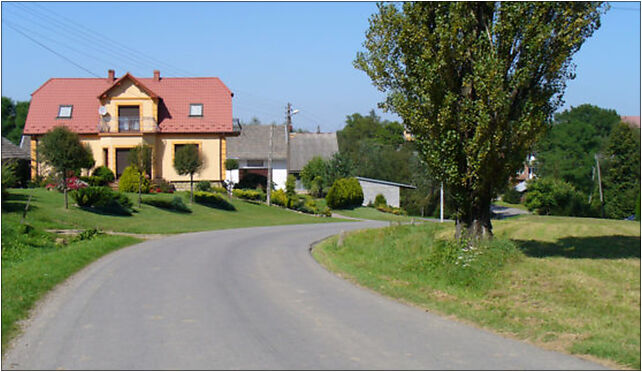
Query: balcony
[128, 125]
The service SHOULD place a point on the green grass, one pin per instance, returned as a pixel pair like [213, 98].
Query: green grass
[48, 212]
[33, 263]
[573, 286]
[369, 213]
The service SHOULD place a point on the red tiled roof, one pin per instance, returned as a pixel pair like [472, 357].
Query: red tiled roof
[175, 96]
[633, 121]
[136, 82]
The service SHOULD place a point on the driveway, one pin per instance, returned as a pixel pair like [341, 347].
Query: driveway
[248, 299]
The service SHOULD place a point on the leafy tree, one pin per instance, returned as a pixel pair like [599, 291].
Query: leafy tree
[62, 150]
[187, 160]
[14, 116]
[140, 158]
[290, 192]
[316, 167]
[475, 83]
[568, 149]
[622, 177]
[551, 196]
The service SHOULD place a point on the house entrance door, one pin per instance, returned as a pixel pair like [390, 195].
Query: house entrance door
[122, 161]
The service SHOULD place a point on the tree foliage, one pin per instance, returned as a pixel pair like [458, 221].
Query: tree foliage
[14, 115]
[62, 150]
[187, 160]
[622, 176]
[475, 84]
[568, 149]
[140, 158]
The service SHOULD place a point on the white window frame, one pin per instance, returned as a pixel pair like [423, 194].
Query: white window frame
[193, 106]
[60, 111]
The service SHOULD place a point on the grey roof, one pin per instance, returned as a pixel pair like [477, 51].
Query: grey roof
[386, 182]
[253, 143]
[305, 146]
[11, 151]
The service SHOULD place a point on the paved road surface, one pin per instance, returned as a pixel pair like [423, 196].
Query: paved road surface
[248, 299]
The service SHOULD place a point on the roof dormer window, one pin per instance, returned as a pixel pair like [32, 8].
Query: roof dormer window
[64, 111]
[196, 109]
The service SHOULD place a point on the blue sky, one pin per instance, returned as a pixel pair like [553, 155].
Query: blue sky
[268, 54]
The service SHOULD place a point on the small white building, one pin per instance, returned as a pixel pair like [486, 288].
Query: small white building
[390, 190]
[252, 148]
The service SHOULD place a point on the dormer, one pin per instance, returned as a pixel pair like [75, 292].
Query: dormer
[131, 107]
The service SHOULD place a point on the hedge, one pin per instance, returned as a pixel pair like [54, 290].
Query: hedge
[213, 200]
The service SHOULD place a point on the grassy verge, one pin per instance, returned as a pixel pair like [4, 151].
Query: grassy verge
[34, 263]
[48, 212]
[565, 284]
[368, 213]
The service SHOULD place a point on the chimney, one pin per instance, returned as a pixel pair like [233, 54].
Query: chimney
[110, 76]
[156, 75]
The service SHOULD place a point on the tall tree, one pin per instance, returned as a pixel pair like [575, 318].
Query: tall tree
[568, 148]
[14, 116]
[62, 150]
[475, 84]
[187, 160]
[140, 157]
[622, 177]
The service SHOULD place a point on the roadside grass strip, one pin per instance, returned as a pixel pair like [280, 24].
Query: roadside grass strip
[565, 284]
[369, 213]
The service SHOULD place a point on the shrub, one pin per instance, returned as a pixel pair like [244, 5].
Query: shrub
[393, 210]
[129, 181]
[102, 199]
[204, 186]
[279, 198]
[550, 196]
[162, 185]
[231, 164]
[213, 200]
[176, 204]
[249, 194]
[380, 201]
[512, 196]
[345, 193]
[104, 173]
[219, 189]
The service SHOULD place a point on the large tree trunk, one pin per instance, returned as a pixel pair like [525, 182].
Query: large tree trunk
[191, 187]
[475, 223]
[64, 191]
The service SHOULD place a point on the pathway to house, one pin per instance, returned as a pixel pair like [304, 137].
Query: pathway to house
[248, 299]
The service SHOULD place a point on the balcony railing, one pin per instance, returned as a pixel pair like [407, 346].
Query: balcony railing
[128, 125]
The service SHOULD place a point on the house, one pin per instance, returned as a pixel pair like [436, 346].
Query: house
[11, 152]
[112, 115]
[304, 146]
[252, 150]
[390, 190]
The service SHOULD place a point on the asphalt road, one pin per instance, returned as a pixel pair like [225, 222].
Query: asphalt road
[248, 299]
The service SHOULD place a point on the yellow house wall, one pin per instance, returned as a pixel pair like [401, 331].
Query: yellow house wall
[128, 94]
[209, 147]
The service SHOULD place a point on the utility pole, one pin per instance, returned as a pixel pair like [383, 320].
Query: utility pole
[268, 188]
[441, 203]
[599, 183]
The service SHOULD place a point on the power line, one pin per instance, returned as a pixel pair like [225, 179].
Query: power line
[51, 50]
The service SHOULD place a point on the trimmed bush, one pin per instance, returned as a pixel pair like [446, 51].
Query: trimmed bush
[176, 204]
[204, 186]
[249, 194]
[279, 198]
[345, 193]
[102, 199]
[550, 196]
[213, 200]
[380, 201]
[128, 181]
[219, 189]
[104, 173]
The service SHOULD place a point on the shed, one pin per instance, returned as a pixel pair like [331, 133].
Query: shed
[390, 190]
[11, 151]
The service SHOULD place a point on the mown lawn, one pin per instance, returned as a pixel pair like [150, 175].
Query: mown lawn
[48, 212]
[566, 284]
[369, 213]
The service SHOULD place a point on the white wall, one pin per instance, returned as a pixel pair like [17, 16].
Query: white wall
[371, 189]
[232, 175]
[279, 174]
